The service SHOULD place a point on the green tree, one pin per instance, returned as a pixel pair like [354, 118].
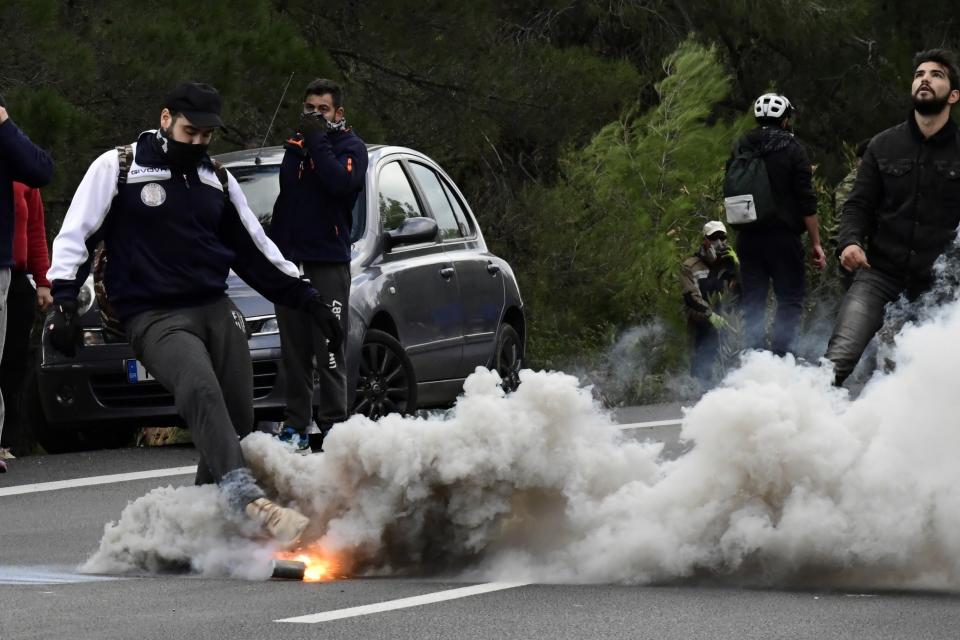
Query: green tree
[81, 77]
[611, 234]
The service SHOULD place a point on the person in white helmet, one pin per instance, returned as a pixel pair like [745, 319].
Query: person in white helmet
[705, 278]
[770, 247]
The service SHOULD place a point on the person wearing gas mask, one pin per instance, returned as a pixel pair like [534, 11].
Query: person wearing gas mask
[770, 249]
[706, 278]
[903, 211]
[173, 224]
[20, 161]
[322, 174]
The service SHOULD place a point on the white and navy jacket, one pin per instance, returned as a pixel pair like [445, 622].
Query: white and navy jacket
[171, 237]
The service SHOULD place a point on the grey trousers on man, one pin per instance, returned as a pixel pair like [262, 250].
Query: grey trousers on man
[860, 317]
[301, 342]
[201, 356]
[4, 289]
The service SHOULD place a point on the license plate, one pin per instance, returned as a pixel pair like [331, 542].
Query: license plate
[137, 373]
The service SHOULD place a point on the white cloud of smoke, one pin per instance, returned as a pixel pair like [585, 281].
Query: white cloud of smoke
[789, 481]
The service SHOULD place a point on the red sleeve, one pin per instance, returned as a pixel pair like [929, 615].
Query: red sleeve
[38, 259]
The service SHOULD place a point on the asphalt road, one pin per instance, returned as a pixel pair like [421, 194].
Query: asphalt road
[45, 535]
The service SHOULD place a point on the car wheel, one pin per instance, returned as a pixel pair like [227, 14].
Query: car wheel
[62, 439]
[508, 357]
[387, 383]
[66, 437]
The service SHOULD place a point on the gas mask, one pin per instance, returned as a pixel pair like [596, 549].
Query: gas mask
[716, 249]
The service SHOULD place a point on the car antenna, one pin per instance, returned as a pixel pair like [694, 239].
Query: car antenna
[270, 126]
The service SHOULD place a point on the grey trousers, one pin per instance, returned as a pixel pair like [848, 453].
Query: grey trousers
[860, 317]
[4, 289]
[201, 356]
[301, 343]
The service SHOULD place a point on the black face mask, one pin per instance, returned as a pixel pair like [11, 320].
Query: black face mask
[181, 155]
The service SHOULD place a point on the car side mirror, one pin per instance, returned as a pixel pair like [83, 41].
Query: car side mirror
[411, 231]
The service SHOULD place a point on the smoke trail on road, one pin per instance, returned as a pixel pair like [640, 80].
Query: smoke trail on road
[788, 482]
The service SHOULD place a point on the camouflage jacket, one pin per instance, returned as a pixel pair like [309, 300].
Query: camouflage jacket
[703, 285]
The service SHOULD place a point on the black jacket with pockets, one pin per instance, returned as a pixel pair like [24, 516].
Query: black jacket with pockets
[905, 204]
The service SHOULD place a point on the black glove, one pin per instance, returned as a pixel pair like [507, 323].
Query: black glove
[63, 325]
[312, 123]
[326, 321]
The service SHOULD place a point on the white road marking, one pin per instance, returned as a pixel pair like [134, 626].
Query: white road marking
[649, 425]
[404, 603]
[39, 487]
[22, 575]
[180, 471]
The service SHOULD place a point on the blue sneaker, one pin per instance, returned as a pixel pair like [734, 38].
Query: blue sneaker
[290, 434]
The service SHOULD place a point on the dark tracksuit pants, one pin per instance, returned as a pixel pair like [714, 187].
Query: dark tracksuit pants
[302, 343]
[21, 311]
[705, 343]
[201, 356]
[860, 317]
[771, 256]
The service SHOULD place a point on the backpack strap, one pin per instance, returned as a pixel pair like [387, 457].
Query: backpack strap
[222, 175]
[125, 152]
[112, 327]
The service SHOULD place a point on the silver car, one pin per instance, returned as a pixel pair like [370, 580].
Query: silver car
[428, 304]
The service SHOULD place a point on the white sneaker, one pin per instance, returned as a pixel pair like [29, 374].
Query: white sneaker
[6, 455]
[285, 525]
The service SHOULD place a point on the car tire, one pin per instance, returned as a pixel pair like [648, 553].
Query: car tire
[387, 383]
[65, 437]
[62, 439]
[508, 357]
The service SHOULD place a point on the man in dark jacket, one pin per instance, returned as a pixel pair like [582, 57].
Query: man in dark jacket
[323, 172]
[173, 225]
[771, 250]
[904, 209]
[705, 278]
[20, 161]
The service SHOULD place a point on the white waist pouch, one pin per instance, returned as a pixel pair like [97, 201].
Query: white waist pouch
[740, 209]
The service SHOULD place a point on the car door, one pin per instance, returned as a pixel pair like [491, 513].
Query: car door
[425, 299]
[481, 284]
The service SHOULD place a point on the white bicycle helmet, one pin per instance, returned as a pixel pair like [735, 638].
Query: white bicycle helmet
[772, 105]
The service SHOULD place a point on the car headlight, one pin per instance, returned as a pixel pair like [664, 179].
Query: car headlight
[86, 296]
[265, 326]
[92, 337]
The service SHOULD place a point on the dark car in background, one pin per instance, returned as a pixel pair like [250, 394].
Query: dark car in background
[428, 304]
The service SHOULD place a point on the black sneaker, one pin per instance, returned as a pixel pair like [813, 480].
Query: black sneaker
[316, 441]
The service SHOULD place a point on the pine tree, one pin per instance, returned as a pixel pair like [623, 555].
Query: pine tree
[628, 209]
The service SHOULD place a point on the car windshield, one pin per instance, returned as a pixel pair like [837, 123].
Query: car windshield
[261, 185]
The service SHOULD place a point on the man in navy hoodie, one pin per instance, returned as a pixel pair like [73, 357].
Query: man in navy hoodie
[173, 224]
[20, 161]
[323, 172]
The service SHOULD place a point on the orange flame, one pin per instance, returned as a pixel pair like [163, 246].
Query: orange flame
[320, 566]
